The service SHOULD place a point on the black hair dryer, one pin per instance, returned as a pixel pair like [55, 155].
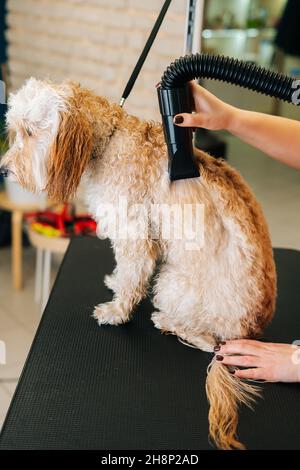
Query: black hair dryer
[179, 140]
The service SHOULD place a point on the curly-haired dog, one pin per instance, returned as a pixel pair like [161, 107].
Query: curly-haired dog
[62, 134]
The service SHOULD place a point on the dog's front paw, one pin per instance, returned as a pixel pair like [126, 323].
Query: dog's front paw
[110, 282]
[110, 313]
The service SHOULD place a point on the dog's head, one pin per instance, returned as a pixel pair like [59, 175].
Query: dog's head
[52, 134]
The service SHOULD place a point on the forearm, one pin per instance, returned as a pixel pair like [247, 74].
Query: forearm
[276, 136]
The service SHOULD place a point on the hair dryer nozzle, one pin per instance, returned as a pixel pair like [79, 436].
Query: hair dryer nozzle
[179, 139]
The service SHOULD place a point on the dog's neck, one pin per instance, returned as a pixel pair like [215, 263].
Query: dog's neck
[134, 162]
[123, 145]
[134, 138]
[107, 119]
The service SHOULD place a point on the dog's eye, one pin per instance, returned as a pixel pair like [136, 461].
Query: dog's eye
[28, 132]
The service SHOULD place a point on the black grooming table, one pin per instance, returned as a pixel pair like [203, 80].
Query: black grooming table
[130, 387]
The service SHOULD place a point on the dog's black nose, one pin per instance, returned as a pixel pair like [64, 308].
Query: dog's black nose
[4, 172]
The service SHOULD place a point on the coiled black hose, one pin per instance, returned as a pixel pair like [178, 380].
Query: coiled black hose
[229, 70]
[174, 98]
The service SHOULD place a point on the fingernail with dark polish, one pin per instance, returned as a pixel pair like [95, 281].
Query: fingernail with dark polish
[232, 372]
[219, 358]
[179, 119]
[222, 343]
[217, 348]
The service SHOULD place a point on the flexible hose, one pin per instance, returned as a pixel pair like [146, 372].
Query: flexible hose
[229, 70]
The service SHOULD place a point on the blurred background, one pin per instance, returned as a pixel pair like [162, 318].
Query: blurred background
[97, 42]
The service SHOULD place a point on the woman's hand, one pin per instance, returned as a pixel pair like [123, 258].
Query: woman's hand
[263, 361]
[211, 113]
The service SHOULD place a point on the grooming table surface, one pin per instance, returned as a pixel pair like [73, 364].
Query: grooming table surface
[131, 387]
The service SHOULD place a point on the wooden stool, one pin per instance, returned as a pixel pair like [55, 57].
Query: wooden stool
[18, 211]
[45, 246]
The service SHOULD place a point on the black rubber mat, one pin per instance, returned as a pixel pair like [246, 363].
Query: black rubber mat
[130, 387]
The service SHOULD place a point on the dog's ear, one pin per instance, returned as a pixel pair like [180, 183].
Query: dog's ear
[69, 153]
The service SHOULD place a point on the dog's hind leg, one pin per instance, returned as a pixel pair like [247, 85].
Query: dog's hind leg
[135, 264]
[178, 298]
[190, 337]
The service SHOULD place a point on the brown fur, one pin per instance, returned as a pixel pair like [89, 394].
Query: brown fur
[241, 200]
[75, 141]
[225, 394]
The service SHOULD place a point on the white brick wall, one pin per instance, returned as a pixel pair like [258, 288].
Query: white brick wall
[96, 42]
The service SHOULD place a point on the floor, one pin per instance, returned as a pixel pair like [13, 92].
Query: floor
[277, 188]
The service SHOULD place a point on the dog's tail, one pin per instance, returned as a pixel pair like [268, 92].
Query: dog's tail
[225, 393]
